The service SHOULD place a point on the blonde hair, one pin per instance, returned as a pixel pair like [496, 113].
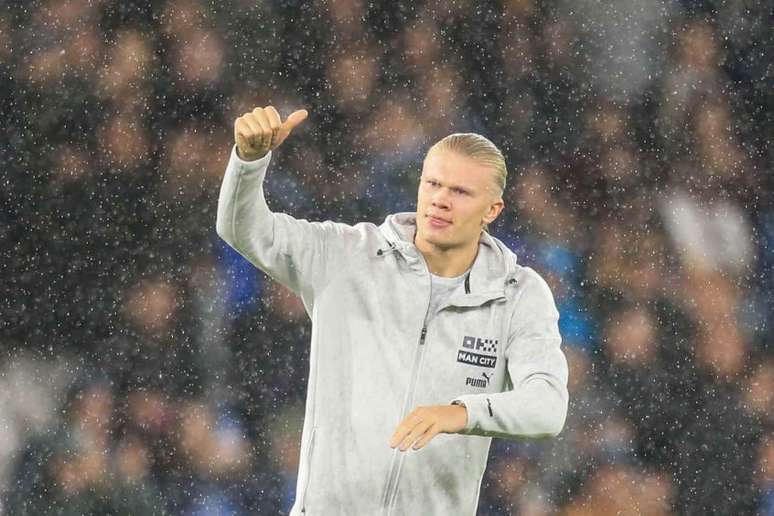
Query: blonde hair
[480, 149]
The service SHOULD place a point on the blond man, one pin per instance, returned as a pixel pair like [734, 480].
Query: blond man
[428, 338]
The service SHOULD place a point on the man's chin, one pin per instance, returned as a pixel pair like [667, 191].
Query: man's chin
[436, 240]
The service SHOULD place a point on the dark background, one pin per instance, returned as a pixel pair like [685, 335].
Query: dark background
[147, 368]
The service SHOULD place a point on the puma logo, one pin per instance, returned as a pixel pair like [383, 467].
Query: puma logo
[479, 382]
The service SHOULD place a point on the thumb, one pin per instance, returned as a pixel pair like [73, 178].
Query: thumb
[296, 118]
[289, 124]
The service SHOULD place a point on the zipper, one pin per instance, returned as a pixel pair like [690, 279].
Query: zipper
[397, 459]
[309, 469]
[391, 488]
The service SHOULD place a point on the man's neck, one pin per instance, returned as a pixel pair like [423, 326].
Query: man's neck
[448, 263]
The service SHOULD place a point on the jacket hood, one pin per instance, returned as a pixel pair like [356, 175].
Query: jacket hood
[494, 268]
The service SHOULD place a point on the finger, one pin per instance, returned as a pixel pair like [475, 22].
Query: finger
[415, 434]
[262, 117]
[274, 120]
[266, 135]
[291, 123]
[427, 436]
[403, 429]
[253, 134]
[241, 142]
[243, 134]
[296, 118]
[239, 128]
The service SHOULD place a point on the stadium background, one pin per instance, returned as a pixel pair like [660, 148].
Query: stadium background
[146, 367]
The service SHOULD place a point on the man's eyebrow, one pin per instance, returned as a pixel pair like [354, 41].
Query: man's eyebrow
[464, 188]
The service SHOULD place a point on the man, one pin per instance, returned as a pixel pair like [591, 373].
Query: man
[428, 338]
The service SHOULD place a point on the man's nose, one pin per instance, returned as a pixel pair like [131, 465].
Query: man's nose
[441, 198]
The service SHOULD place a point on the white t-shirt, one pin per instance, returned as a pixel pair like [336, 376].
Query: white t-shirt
[440, 290]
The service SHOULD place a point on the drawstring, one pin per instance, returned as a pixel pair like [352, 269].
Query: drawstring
[382, 251]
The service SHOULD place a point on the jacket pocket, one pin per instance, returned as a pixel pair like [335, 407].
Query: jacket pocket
[309, 451]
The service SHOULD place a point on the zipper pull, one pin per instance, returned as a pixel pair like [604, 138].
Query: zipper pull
[422, 336]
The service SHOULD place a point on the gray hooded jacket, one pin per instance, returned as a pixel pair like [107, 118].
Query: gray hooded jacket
[494, 346]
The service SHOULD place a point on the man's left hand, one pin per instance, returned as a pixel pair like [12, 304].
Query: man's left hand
[424, 423]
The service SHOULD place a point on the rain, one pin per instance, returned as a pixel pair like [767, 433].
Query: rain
[147, 367]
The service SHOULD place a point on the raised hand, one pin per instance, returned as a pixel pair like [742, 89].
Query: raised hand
[262, 130]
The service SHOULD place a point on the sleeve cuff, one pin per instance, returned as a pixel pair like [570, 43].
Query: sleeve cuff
[249, 165]
[476, 406]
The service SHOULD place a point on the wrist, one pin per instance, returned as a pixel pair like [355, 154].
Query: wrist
[463, 411]
[248, 157]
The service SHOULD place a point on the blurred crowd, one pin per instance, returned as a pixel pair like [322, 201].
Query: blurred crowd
[146, 368]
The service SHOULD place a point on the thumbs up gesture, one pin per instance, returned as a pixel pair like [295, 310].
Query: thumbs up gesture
[262, 130]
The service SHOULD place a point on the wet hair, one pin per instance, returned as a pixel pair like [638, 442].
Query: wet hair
[478, 148]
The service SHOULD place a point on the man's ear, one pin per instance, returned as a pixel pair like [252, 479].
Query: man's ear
[494, 211]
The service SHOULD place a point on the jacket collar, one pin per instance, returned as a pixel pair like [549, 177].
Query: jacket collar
[493, 269]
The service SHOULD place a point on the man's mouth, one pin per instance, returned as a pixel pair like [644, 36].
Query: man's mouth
[438, 222]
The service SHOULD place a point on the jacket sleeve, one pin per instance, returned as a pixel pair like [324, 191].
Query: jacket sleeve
[536, 405]
[292, 251]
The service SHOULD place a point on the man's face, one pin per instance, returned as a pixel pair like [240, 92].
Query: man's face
[457, 195]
